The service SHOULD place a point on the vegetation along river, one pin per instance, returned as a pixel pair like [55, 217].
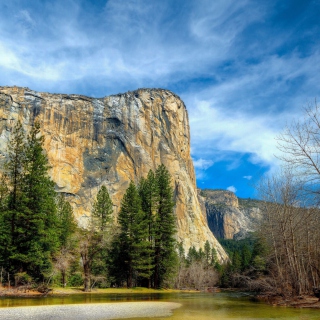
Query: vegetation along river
[195, 306]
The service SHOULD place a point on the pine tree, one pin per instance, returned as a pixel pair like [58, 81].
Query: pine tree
[36, 221]
[14, 199]
[102, 210]
[245, 256]
[214, 258]
[4, 226]
[207, 252]
[165, 228]
[134, 248]
[94, 243]
[102, 224]
[236, 261]
[66, 222]
[15, 168]
[149, 195]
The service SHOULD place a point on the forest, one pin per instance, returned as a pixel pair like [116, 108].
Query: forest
[41, 244]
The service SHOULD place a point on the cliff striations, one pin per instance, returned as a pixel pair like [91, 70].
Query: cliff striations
[110, 141]
[229, 217]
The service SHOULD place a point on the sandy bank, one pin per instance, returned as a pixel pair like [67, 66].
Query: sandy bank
[97, 311]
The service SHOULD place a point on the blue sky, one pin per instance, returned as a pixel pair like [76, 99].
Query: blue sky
[243, 68]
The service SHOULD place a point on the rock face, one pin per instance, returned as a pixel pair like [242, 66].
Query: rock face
[110, 141]
[229, 217]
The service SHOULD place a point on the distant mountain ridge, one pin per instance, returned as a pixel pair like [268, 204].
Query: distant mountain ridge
[228, 216]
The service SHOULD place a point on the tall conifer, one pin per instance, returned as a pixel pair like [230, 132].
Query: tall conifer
[165, 228]
[15, 199]
[102, 210]
[66, 221]
[134, 250]
[149, 195]
[31, 206]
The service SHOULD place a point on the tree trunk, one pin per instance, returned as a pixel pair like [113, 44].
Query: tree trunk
[63, 273]
[129, 282]
[86, 269]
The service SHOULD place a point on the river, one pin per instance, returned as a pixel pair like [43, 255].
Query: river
[195, 306]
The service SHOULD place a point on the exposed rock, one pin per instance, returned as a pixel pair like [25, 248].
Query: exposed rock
[229, 217]
[112, 140]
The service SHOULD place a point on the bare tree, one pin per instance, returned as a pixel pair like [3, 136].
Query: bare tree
[198, 275]
[300, 146]
[63, 261]
[291, 229]
[91, 244]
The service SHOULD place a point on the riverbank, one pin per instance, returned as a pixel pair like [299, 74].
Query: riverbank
[24, 292]
[297, 302]
[96, 311]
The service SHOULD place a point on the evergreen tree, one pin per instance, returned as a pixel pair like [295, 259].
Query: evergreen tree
[12, 197]
[236, 261]
[36, 232]
[214, 258]
[66, 222]
[94, 244]
[192, 255]
[102, 224]
[134, 248]
[149, 195]
[4, 226]
[102, 210]
[30, 218]
[15, 203]
[245, 256]
[165, 228]
[207, 252]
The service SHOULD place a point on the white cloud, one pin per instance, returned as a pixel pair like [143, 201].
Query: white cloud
[132, 44]
[247, 177]
[232, 189]
[202, 164]
[227, 131]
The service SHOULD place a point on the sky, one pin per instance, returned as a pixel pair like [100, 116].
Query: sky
[245, 69]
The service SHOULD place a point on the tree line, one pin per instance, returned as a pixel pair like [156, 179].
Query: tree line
[40, 241]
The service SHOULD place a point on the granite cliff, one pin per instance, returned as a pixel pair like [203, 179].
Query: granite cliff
[230, 217]
[110, 141]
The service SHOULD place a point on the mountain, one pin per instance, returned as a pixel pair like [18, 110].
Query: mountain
[229, 217]
[109, 141]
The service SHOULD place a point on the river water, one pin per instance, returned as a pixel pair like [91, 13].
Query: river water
[195, 306]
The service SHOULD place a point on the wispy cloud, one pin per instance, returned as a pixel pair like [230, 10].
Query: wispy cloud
[232, 189]
[247, 177]
[202, 164]
[243, 69]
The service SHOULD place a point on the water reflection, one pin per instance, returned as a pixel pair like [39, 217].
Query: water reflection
[195, 306]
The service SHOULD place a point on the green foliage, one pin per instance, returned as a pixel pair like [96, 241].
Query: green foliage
[102, 210]
[145, 249]
[75, 280]
[135, 250]
[165, 227]
[29, 221]
[102, 225]
[37, 227]
[36, 236]
[247, 257]
[67, 225]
